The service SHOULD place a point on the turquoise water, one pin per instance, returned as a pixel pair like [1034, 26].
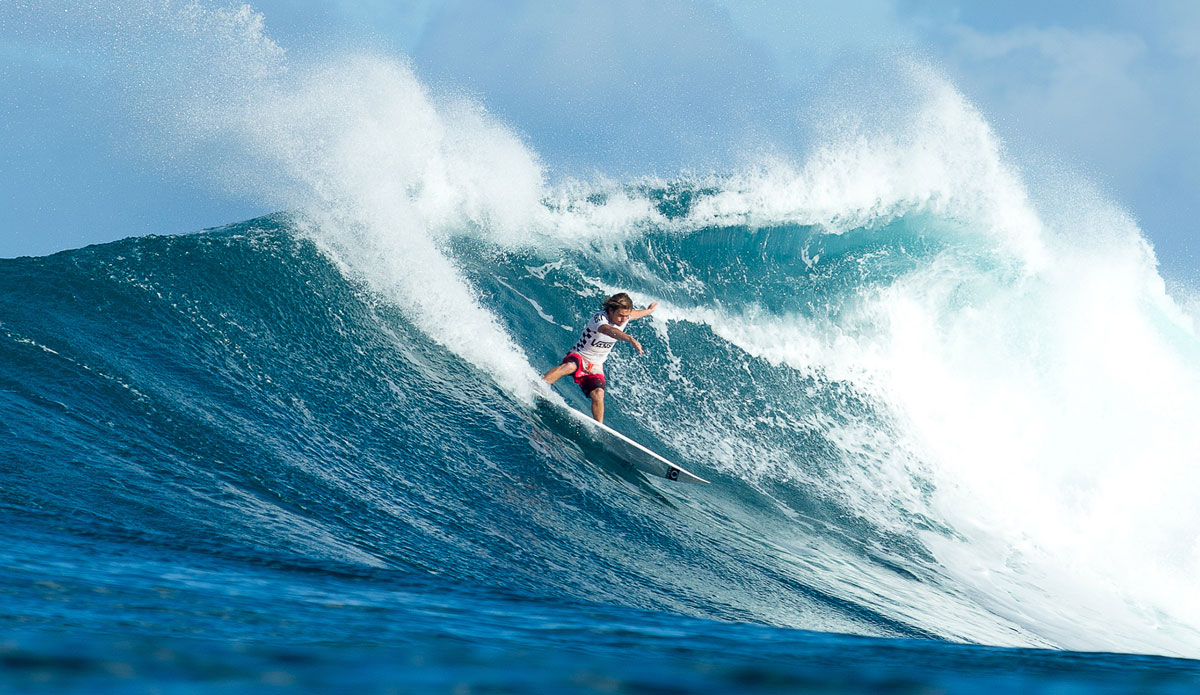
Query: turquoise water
[227, 463]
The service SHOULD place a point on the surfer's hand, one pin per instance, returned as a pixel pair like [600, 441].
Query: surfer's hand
[634, 342]
[650, 309]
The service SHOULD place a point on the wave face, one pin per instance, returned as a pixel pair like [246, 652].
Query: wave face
[932, 404]
[889, 415]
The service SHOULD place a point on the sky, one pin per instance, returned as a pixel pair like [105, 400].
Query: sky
[1109, 90]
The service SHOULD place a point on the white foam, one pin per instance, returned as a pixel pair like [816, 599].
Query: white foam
[385, 175]
[383, 172]
[1054, 405]
[929, 152]
[1038, 372]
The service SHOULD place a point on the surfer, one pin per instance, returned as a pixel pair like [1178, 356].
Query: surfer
[586, 359]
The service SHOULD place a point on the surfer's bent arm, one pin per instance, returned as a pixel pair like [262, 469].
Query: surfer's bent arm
[613, 332]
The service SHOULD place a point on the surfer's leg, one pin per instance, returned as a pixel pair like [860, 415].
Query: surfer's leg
[559, 372]
[597, 396]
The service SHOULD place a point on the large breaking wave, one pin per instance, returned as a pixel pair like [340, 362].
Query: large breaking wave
[933, 402]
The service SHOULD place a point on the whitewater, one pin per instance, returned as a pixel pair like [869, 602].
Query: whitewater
[940, 405]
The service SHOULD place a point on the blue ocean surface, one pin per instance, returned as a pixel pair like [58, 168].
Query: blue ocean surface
[231, 463]
[947, 407]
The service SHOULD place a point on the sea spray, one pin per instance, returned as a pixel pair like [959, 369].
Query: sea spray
[379, 171]
[385, 176]
[1038, 368]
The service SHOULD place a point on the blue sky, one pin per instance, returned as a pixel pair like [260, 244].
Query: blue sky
[1110, 90]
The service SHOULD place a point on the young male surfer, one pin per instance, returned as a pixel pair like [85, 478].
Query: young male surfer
[586, 359]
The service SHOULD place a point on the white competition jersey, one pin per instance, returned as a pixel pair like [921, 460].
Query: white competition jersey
[593, 345]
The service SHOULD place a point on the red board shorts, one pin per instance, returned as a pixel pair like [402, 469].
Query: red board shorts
[588, 382]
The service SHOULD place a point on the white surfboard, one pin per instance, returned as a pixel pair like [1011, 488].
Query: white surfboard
[637, 455]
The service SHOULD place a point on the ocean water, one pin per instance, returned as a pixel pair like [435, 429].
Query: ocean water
[949, 423]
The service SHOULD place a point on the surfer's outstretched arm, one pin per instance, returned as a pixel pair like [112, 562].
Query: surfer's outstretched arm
[639, 313]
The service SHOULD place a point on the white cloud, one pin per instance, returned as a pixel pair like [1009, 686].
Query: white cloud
[804, 38]
[1178, 22]
[1084, 95]
[1115, 101]
[1090, 82]
[621, 83]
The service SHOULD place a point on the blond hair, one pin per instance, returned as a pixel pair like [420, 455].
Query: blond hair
[618, 301]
